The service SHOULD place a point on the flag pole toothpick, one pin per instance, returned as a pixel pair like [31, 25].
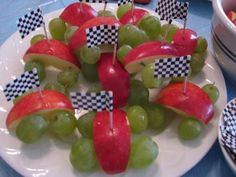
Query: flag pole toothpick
[132, 8]
[105, 6]
[111, 120]
[45, 31]
[114, 54]
[185, 84]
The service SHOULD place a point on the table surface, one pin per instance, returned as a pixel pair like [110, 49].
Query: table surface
[200, 14]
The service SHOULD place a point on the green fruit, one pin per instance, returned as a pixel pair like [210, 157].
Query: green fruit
[172, 29]
[31, 129]
[197, 62]
[39, 66]
[105, 13]
[85, 124]
[68, 78]
[122, 52]
[212, 91]
[70, 30]
[201, 46]
[57, 28]
[89, 72]
[37, 38]
[55, 86]
[122, 9]
[89, 55]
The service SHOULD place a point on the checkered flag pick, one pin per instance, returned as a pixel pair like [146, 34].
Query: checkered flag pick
[30, 22]
[122, 2]
[166, 9]
[172, 67]
[181, 10]
[21, 84]
[103, 34]
[94, 1]
[92, 101]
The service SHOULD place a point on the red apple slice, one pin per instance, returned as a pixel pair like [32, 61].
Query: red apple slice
[185, 41]
[133, 16]
[195, 102]
[115, 78]
[42, 102]
[79, 37]
[112, 147]
[52, 52]
[147, 53]
[78, 13]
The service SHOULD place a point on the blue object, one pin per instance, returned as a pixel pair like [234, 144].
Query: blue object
[200, 13]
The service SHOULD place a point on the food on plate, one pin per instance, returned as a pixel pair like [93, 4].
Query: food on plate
[39, 66]
[122, 9]
[212, 91]
[123, 51]
[232, 16]
[89, 55]
[68, 77]
[55, 86]
[106, 13]
[133, 16]
[168, 31]
[85, 124]
[57, 28]
[37, 38]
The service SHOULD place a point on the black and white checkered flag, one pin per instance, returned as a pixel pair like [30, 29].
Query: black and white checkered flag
[122, 2]
[92, 101]
[103, 34]
[30, 22]
[21, 84]
[181, 10]
[95, 1]
[172, 67]
[166, 9]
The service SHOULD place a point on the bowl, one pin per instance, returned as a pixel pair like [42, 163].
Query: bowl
[223, 36]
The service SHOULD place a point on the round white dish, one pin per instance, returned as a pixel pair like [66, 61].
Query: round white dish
[50, 157]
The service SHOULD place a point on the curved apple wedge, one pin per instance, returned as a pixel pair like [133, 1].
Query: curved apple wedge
[133, 16]
[112, 146]
[79, 37]
[52, 52]
[78, 13]
[147, 53]
[37, 102]
[194, 102]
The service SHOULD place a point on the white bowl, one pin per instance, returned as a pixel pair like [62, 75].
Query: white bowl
[223, 37]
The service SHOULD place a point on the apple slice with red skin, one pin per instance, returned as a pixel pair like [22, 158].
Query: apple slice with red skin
[78, 13]
[115, 78]
[112, 146]
[37, 102]
[185, 41]
[133, 16]
[79, 37]
[52, 52]
[194, 102]
[147, 53]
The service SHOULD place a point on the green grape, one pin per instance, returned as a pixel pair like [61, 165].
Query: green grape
[31, 128]
[55, 86]
[137, 117]
[89, 55]
[69, 32]
[105, 13]
[177, 79]
[144, 151]
[212, 91]
[82, 155]
[201, 45]
[57, 28]
[197, 62]
[39, 66]
[62, 123]
[37, 38]
[95, 88]
[89, 72]
[68, 77]
[131, 35]
[156, 116]
[189, 128]
[152, 26]
[122, 52]
[122, 9]
[147, 75]
[171, 32]
[85, 124]
[138, 93]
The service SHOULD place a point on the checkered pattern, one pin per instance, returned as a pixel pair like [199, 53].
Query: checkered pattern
[95, 1]
[92, 101]
[21, 84]
[122, 2]
[30, 22]
[166, 9]
[181, 10]
[172, 67]
[103, 34]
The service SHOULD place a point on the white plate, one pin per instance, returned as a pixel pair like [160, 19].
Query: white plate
[50, 157]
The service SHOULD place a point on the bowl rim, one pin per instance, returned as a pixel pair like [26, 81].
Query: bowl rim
[217, 6]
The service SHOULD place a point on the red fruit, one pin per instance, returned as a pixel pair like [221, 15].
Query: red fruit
[133, 16]
[112, 147]
[79, 37]
[78, 13]
[195, 102]
[52, 52]
[147, 53]
[114, 78]
[142, 1]
[185, 41]
[231, 15]
[43, 102]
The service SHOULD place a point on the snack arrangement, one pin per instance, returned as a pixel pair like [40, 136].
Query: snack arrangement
[232, 16]
[127, 69]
